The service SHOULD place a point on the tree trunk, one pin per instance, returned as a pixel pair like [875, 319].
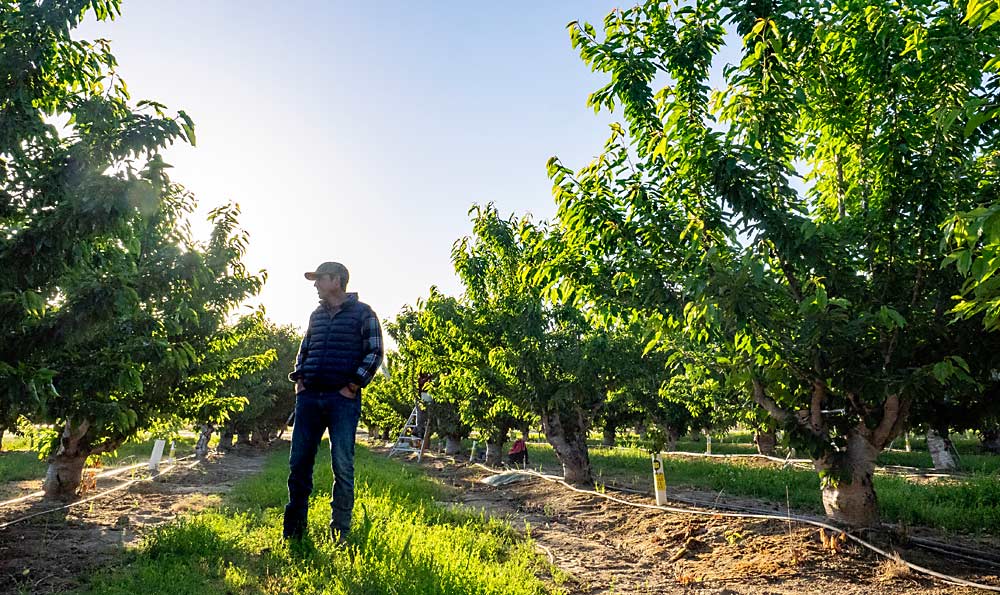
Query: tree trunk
[846, 483]
[495, 442]
[940, 447]
[640, 430]
[2, 432]
[65, 472]
[421, 421]
[242, 437]
[494, 453]
[453, 445]
[670, 436]
[386, 435]
[568, 437]
[766, 441]
[226, 439]
[258, 437]
[609, 435]
[989, 440]
[205, 434]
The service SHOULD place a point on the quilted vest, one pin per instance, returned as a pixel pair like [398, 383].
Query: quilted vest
[335, 348]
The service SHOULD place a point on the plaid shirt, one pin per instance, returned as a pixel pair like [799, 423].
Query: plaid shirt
[371, 338]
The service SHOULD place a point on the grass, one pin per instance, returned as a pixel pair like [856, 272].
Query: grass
[968, 505]
[967, 461]
[19, 462]
[403, 542]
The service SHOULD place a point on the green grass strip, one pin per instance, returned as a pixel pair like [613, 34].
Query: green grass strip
[18, 462]
[968, 505]
[402, 542]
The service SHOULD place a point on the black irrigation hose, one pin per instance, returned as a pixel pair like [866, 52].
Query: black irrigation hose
[766, 516]
[928, 544]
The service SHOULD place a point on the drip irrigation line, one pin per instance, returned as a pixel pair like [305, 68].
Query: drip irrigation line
[928, 544]
[765, 516]
[116, 488]
[949, 552]
[800, 463]
[103, 475]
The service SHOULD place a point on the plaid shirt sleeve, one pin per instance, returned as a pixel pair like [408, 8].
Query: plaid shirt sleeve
[371, 338]
[303, 350]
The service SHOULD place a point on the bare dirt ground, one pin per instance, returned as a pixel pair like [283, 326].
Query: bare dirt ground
[595, 547]
[605, 547]
[51, 552]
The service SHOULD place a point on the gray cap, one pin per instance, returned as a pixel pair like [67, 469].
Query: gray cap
[334, 269]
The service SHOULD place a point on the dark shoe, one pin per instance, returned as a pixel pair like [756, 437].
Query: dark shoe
[294, 528]
[341, 539]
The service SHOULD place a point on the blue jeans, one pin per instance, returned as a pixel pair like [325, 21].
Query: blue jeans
[316, 412]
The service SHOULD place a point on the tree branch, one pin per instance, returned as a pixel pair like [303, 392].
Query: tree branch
[769, 405]
[816, 407]
[894, 412]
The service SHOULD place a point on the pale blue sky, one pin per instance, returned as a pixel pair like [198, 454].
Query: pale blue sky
[363, 131]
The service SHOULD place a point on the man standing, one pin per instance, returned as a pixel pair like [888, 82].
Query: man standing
[340, 353]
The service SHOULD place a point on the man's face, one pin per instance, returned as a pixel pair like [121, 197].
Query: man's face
[326, 285]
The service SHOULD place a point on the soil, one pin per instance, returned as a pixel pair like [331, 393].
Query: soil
[603, 547]
[594, 546]
[51, 552]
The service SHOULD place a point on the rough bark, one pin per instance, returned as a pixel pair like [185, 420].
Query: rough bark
[204, 435]
[421, 421]
[496, 440]
[567, 433]
[452, 445]
[940, 447]
[846, 482]
[226, 437]
[767, 441]
[65, 471]
[494, 453]
[258, 437]
[640, 430]
[242, 437]
[846, 475]
[2, 432]
[989, 441]
[609, 435]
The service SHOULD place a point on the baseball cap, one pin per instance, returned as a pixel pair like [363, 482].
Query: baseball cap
[328, 268]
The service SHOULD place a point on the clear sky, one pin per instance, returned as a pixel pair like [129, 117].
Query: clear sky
[362, 132]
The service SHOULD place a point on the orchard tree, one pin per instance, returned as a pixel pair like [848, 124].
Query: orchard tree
[270, 398]
[550, 360]
[58, 207]
[106, 300]
[390, 397]
[790, 218]
[155, 360]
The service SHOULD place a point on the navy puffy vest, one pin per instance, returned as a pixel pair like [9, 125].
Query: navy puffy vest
[334, 348]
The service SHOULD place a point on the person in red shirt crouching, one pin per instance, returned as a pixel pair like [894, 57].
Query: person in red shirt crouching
[518, 454]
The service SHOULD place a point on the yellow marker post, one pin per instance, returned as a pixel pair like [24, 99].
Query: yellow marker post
[659, 480]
